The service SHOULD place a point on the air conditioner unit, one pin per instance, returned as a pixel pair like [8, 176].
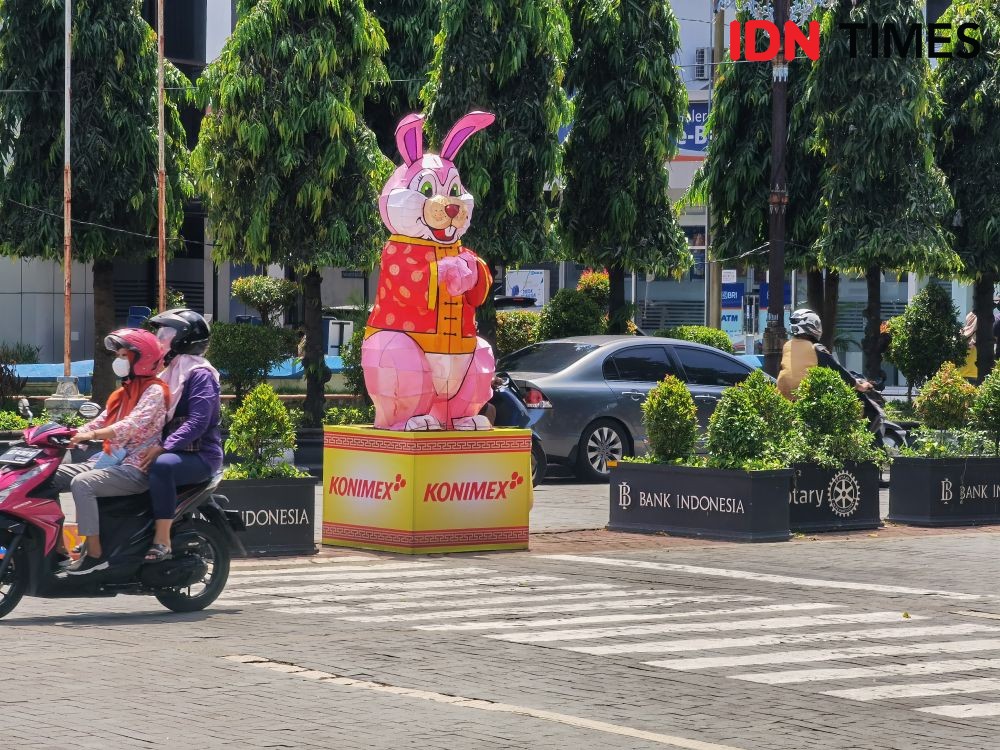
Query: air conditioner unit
[703, 64]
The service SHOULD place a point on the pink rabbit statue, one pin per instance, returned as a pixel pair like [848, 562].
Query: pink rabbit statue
[425, 367]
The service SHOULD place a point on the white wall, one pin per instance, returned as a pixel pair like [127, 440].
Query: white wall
[218, 26]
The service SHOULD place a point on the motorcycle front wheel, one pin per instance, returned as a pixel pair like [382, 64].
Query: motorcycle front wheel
[214, 550]
[15, 581]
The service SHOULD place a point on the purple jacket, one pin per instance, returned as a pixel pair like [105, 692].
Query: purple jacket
[198, 414]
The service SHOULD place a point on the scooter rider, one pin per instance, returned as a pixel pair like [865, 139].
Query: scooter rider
[803, 351]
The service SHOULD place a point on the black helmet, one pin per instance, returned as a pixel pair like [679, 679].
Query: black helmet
[806, 324]
[193, 331]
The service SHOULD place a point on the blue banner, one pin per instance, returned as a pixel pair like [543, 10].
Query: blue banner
[732, 296]
[694, 143]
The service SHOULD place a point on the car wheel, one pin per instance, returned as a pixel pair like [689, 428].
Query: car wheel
[601, 442]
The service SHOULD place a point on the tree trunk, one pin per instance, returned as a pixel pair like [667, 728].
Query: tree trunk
[873, 322]
[617, 308]
[983, 306]
[814, 291]
[314, 363]
[104, 381]
[831, 296]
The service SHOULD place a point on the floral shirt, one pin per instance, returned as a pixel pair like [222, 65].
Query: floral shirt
[140, 430]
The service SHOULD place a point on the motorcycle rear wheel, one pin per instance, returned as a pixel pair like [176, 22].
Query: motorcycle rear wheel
[214, 550]
[14, 583]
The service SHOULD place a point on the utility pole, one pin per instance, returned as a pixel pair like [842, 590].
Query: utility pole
[714, 266]
[774, 333]
[67, 195]
[161, 255]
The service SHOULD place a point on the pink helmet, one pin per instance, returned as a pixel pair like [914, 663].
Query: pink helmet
[143, 344]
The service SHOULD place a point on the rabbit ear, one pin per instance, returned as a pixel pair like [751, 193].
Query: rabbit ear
[410, 138]
[465, 127]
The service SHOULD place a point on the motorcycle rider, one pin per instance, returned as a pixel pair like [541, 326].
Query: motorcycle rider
[803, 351]
[191, 452]
[130, 424]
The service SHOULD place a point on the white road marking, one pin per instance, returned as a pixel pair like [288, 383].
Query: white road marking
[665, 601]
[787, 639]
[338, 588]
[964, 711]
[796, 676]
[291, 562]
[608, 619]
[529, 598]
[317, 570]
[763, 577]
[482, 705]
[774, 623]
[401, 570]
[917, 690]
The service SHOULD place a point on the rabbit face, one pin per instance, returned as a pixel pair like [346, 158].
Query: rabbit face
[425, 198]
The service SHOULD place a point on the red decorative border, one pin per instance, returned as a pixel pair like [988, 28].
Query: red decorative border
[434, 538]
[487, 443]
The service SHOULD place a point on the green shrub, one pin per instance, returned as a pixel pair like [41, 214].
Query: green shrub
[597, 286]
[350, 355]
[516, 329]
[260, 433]
[944, 402]
[245, 353]
[19, 354]
[700, 335]
[570, 313]
[986, 409]
[830, 423]
[671, 420]
[346, 415]
[265, 294]
[929, 443]
[12, 422]
[751, 427]
[926, 336]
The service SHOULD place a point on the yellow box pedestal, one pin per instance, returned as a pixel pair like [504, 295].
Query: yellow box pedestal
[421, 492]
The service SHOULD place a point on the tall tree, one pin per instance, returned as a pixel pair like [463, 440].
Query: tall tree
[507, 57]
[968, 148]
[114, 156]
[410, 27]
[289, 171]
[884, 198]
[630, 107]
[734, 179]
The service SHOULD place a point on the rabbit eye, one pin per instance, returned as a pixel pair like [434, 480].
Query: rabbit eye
[455, 190]
[426, 189]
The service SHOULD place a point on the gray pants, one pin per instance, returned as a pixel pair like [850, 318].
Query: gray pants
[87, 484]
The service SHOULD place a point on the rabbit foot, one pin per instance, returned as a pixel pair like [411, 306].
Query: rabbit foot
[478, 422]
[422, 424]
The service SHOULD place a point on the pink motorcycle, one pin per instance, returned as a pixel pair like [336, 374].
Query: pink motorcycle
[31, 522]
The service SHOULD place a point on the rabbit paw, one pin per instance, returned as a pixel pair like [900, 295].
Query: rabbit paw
[478, 422]
[422, 424]
[456, 274]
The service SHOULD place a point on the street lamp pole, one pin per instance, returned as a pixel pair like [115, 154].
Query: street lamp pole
[161, 255]
[67, 196]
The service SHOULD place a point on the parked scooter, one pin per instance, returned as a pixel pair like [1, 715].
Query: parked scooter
[511, 412]
[31, 522]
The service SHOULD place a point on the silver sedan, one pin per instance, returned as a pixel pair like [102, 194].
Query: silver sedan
[590, 390]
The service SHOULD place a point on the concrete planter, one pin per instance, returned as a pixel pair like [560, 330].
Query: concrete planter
[834, 499]
[280, 514]
[945, 491]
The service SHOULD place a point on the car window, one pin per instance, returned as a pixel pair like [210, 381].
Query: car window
[704, 367]
[547, 357]
[642, 364]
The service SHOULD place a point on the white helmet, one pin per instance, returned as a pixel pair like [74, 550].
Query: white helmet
[806, 324]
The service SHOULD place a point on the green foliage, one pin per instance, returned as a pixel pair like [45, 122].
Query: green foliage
[114, 132]
[630, 108]
[986, 409]
[507, 57]
[570, 313]
[245, 353]
[350, 355]
[928, 443]
[945, 400]
[596, 285]
[884, 199]
[671, 420]
[346, 415]
[516, 329]
[11, 385]
[830, 424]
[12, 422]
[265, 294]
[926, 335]
[19, 354]
[260, 433]
[699, 334]
[751, 427]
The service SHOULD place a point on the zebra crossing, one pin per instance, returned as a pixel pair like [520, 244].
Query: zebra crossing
[940, 666]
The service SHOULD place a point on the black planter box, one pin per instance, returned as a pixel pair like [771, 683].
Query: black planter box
[743, 506]
[280, 514]
[309, 449]
[834, 499]
[945, 491]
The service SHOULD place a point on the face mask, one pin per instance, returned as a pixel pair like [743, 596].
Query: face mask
[122, 367]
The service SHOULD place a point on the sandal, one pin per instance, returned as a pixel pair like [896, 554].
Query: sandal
[158, 553]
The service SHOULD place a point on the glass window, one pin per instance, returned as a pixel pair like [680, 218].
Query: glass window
[545, 357]
[639, 364]
[704, 367]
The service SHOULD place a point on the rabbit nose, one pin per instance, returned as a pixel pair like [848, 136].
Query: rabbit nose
[452, 210]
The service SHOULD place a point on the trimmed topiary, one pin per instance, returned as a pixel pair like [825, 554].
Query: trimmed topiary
[570, 313]
[516, 329]
[751, 426]
[700, 335]
[986, 409]
[597, 286]
[945, 401]
[671, 420]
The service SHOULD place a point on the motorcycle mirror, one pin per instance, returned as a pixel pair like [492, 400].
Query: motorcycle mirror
[88, 410]
[24, 408]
